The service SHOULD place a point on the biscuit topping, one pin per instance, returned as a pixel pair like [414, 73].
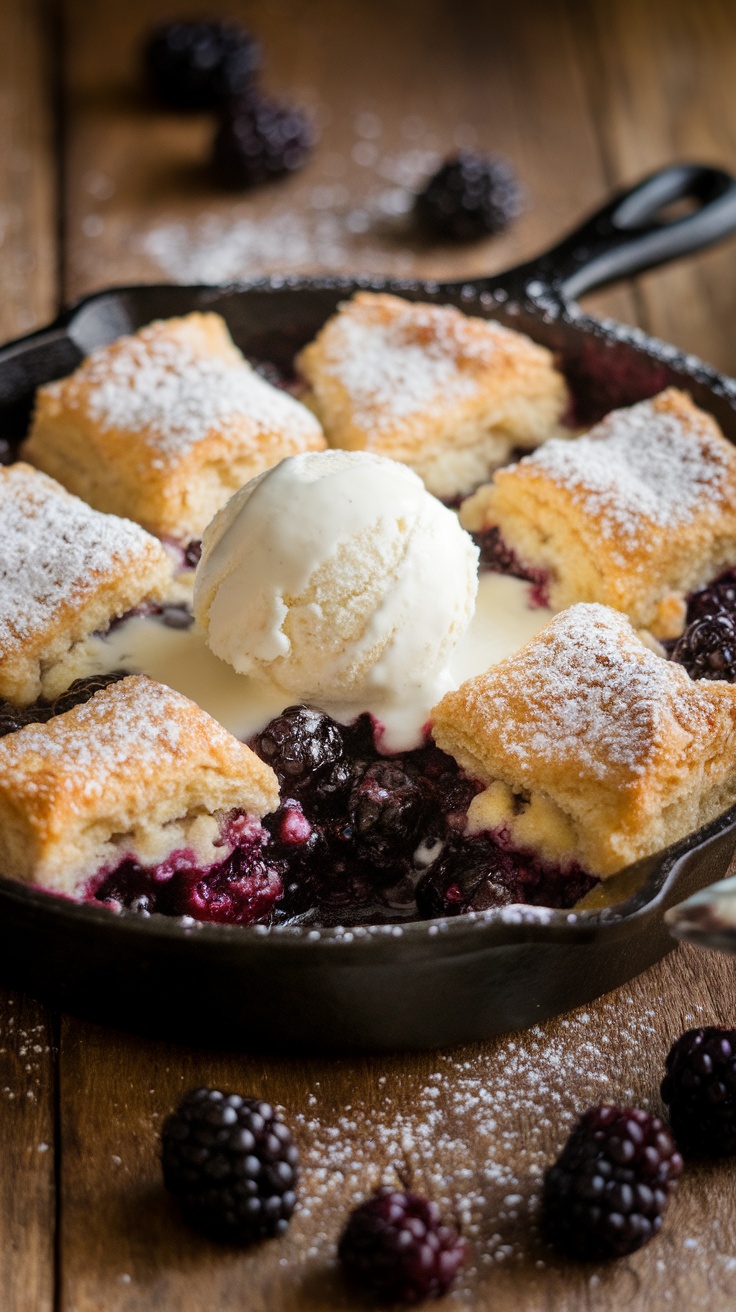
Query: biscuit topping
[657, 460]
[54, 548]
[395, 358]
[135, 730]
[588, 692]
[159, 385]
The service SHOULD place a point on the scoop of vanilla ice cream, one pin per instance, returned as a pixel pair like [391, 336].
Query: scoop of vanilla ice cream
[338, 577]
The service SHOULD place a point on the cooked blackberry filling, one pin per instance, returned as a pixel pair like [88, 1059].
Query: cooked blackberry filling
[17, 717]
[359, 838]
[362, 837]
[475, 874]
[707, 648]
[713, 598]
[243, 889]
[497, 556]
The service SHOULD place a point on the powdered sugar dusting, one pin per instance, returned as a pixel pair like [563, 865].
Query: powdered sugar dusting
[647, 462]
[155, 383]
[588, 692]
[395, 358]
[132, 723]
[55, 549]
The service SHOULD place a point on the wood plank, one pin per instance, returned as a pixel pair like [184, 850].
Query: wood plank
[140, 204]
[423, 69]
[661, 80]
[473, 1127]
[27, 171]
[28, 280]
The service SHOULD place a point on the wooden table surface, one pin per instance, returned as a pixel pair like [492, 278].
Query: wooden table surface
[97, 187]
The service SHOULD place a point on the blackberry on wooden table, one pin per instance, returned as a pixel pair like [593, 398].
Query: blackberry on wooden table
[259, 139]
[700, 1090]
[232, 1165]
[606, 1194]
[199, 64]
[470, 196]
[396, 1247]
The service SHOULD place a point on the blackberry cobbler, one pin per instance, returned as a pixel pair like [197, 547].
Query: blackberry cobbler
[340, 591]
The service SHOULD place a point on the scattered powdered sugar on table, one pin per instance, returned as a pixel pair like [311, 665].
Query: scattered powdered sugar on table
[325, 230]
[55, 549]
[216, 248]
[481, 1131]
[645, 462]
[25, 1049]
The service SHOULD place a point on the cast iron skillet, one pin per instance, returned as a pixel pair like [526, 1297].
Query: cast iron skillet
[429, 983]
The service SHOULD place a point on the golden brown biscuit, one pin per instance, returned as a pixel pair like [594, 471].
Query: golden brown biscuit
[442, 391]
[164, 425]
[137, 772]
[635, 514]
[596, 751]
[66, 571]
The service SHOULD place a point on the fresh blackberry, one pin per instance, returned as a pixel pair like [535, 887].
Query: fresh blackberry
[700, 1090]
[7, 454]
[607, 1192]
[396, 1247]
[469, 197]
[387, 807]
[715, 597]
[231, 1163]
[200, 64]
[707, 648]
[307, 751]
[259, 139]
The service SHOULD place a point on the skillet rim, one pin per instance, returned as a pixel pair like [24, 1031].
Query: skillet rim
[537, 300]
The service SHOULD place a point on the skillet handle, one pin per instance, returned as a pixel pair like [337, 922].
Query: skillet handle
[29, 361]
[627, 237]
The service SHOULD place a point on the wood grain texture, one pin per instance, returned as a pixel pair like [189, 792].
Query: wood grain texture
[422, 77]
[28, 250]
[477, 1124]
[661, 77]
[561, 92]
[28, 282]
